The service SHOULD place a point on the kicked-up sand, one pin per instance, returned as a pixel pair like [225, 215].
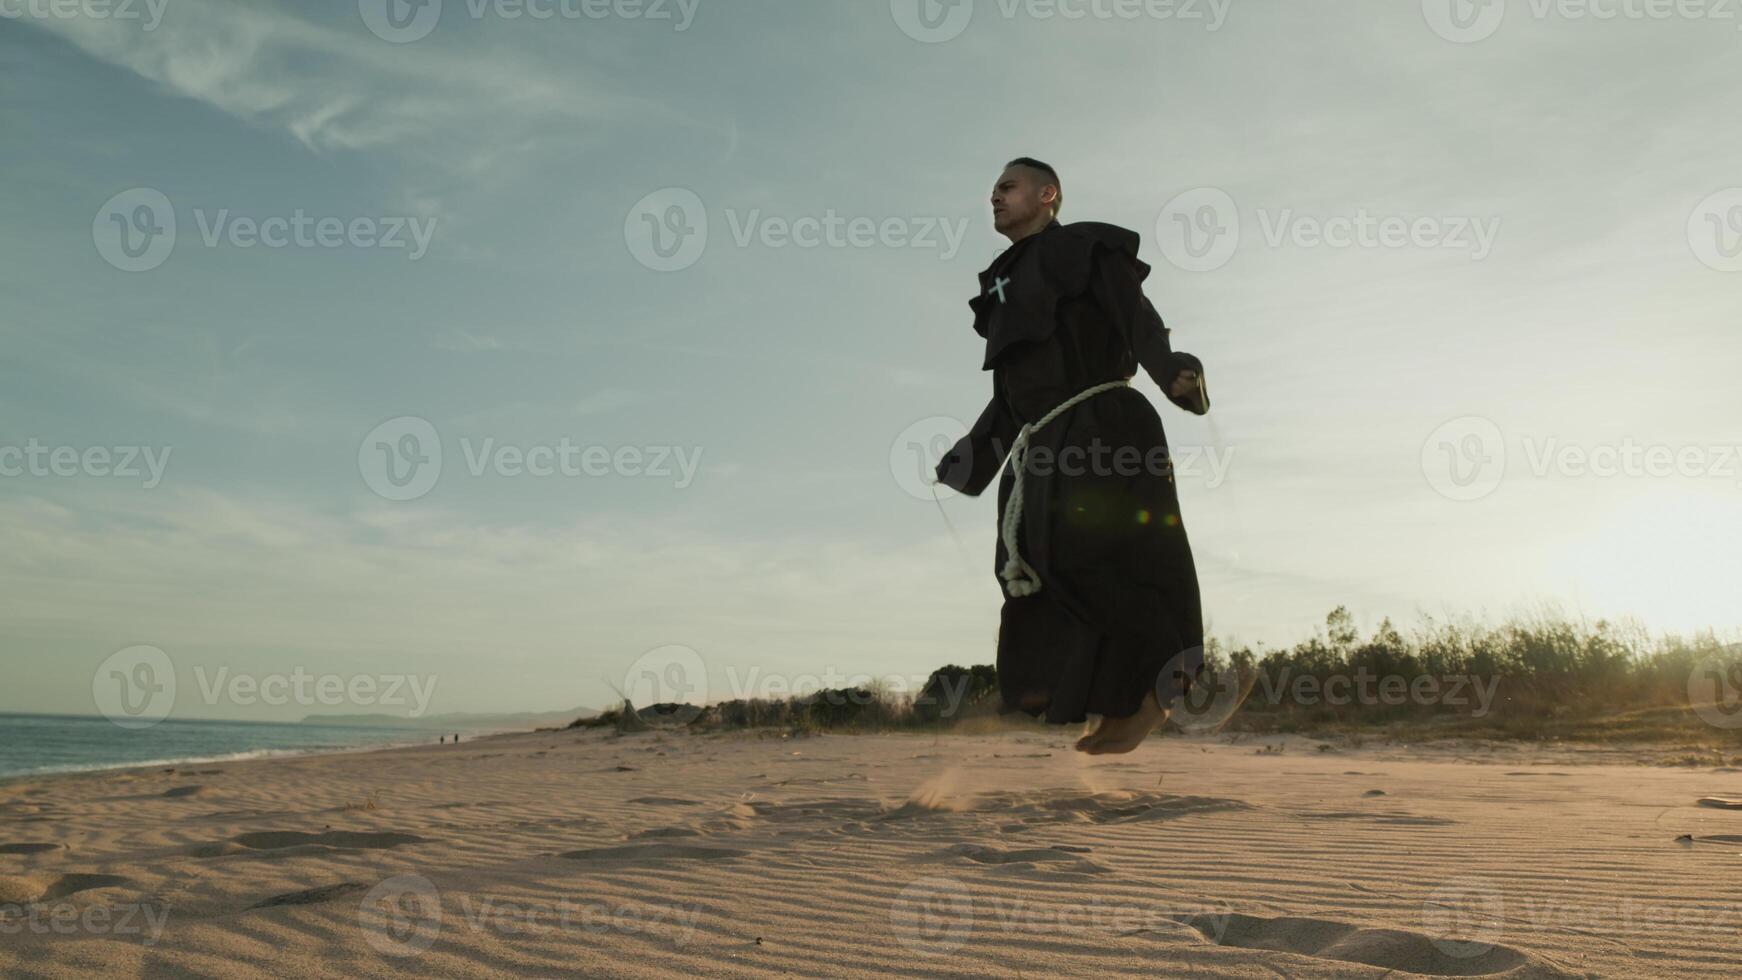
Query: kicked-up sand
[751, 855]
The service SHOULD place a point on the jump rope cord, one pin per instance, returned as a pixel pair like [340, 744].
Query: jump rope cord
[1019, 577]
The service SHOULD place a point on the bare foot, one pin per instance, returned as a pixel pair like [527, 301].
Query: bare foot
[1118, 735]
[1090, 737]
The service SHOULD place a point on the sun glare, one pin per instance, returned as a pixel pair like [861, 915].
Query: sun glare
[1669, 555]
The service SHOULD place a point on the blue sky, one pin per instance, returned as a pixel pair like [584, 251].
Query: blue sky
[1558, 291]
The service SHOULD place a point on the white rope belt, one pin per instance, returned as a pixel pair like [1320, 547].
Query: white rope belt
[1019, 577]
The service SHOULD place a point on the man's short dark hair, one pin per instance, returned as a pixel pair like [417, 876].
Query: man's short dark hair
[1052, 176]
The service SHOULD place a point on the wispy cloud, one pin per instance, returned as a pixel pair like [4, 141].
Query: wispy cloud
[334, 90]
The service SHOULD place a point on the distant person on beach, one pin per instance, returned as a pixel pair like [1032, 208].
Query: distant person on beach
[1101, 612]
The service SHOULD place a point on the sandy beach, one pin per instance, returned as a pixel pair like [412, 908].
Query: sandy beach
[751, 855]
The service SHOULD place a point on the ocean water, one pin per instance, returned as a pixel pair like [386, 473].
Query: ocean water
[35, 744]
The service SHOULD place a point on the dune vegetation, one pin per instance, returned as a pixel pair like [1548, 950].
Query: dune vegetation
[1541, 676]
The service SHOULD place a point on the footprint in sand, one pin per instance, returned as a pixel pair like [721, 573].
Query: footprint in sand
[1721, 803]
[1022, 811]
[1021, 859]
[1027, 809]
[217, 850]
[311, 896]
[29, 889]
[228, 815]
[1539, 774]
[183, 792]
[821, 781]
[651, 854]
[29, 848]
[275, 840]
[1114, 807]
[664, 833]
[735, 818]
[1397, 950]
[804, 811]
[664, 801]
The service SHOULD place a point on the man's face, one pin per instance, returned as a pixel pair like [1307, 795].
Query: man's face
[1020, 198]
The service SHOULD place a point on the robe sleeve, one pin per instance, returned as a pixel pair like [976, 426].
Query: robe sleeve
[1119, 290]
[978, 456]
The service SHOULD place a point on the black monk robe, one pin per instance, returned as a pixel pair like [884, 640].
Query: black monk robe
[1063, 311]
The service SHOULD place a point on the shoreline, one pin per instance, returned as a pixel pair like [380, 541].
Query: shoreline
[231, 759]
